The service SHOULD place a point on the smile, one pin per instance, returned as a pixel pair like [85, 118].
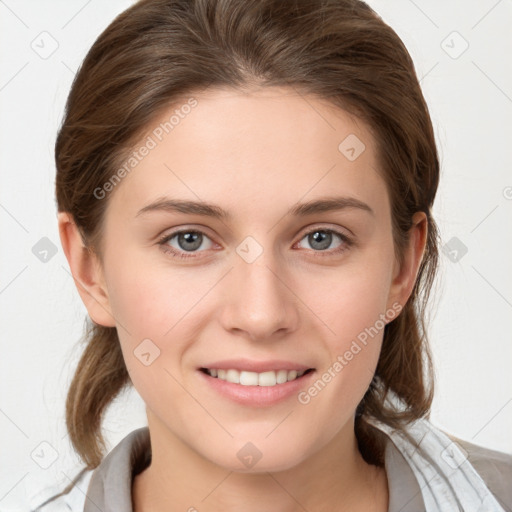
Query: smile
[247, 378]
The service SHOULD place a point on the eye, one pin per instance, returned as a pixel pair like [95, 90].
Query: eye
[321, 239]
[185, 241]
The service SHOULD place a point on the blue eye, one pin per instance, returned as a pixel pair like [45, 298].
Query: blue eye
[183, 244]
[321, 239]
[187, 241]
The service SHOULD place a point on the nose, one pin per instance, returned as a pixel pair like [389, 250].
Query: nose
[260, 304]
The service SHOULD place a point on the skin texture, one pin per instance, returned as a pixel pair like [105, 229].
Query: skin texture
[256, 154]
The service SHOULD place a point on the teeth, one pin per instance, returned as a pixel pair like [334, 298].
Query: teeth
[244, 378]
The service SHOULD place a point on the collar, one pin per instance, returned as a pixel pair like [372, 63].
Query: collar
[425, 471]
[111, 482]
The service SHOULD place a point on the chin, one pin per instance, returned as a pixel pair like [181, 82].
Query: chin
[259, 457]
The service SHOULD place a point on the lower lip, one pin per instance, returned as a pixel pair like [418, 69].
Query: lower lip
[257, 396]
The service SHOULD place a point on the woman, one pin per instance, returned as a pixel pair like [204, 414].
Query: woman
[245, 194]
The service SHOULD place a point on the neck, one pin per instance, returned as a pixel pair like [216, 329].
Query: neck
[334, 478]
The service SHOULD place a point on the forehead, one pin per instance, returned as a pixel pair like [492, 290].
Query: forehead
[253, 150]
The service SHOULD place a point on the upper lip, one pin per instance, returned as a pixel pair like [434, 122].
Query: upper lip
[256, 366]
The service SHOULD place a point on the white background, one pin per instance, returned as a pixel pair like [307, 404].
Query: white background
[470, 98]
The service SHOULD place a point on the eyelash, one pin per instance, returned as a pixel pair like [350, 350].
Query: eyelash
[162, 242]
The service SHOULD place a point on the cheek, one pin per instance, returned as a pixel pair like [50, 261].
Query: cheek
[153, 307]
[351, 301]
[159, 311]
[151, 299]
[353, 354]
[352, 306]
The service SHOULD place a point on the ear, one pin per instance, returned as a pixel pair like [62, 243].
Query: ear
[86, 271]
[404, 278]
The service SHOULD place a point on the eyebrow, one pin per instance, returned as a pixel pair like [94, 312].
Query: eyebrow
[321, 205]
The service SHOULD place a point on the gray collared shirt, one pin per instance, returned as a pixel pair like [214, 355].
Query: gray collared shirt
[109, 487]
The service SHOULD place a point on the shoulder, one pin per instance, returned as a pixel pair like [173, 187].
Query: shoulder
[63, 497]
[494, 467]
[108, 482]
[457, 472]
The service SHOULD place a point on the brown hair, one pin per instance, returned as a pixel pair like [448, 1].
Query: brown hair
[158, 51]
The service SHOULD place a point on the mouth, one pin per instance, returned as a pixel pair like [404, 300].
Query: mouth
[247, 378]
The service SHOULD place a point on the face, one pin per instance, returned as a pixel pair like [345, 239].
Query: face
[266, 288]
